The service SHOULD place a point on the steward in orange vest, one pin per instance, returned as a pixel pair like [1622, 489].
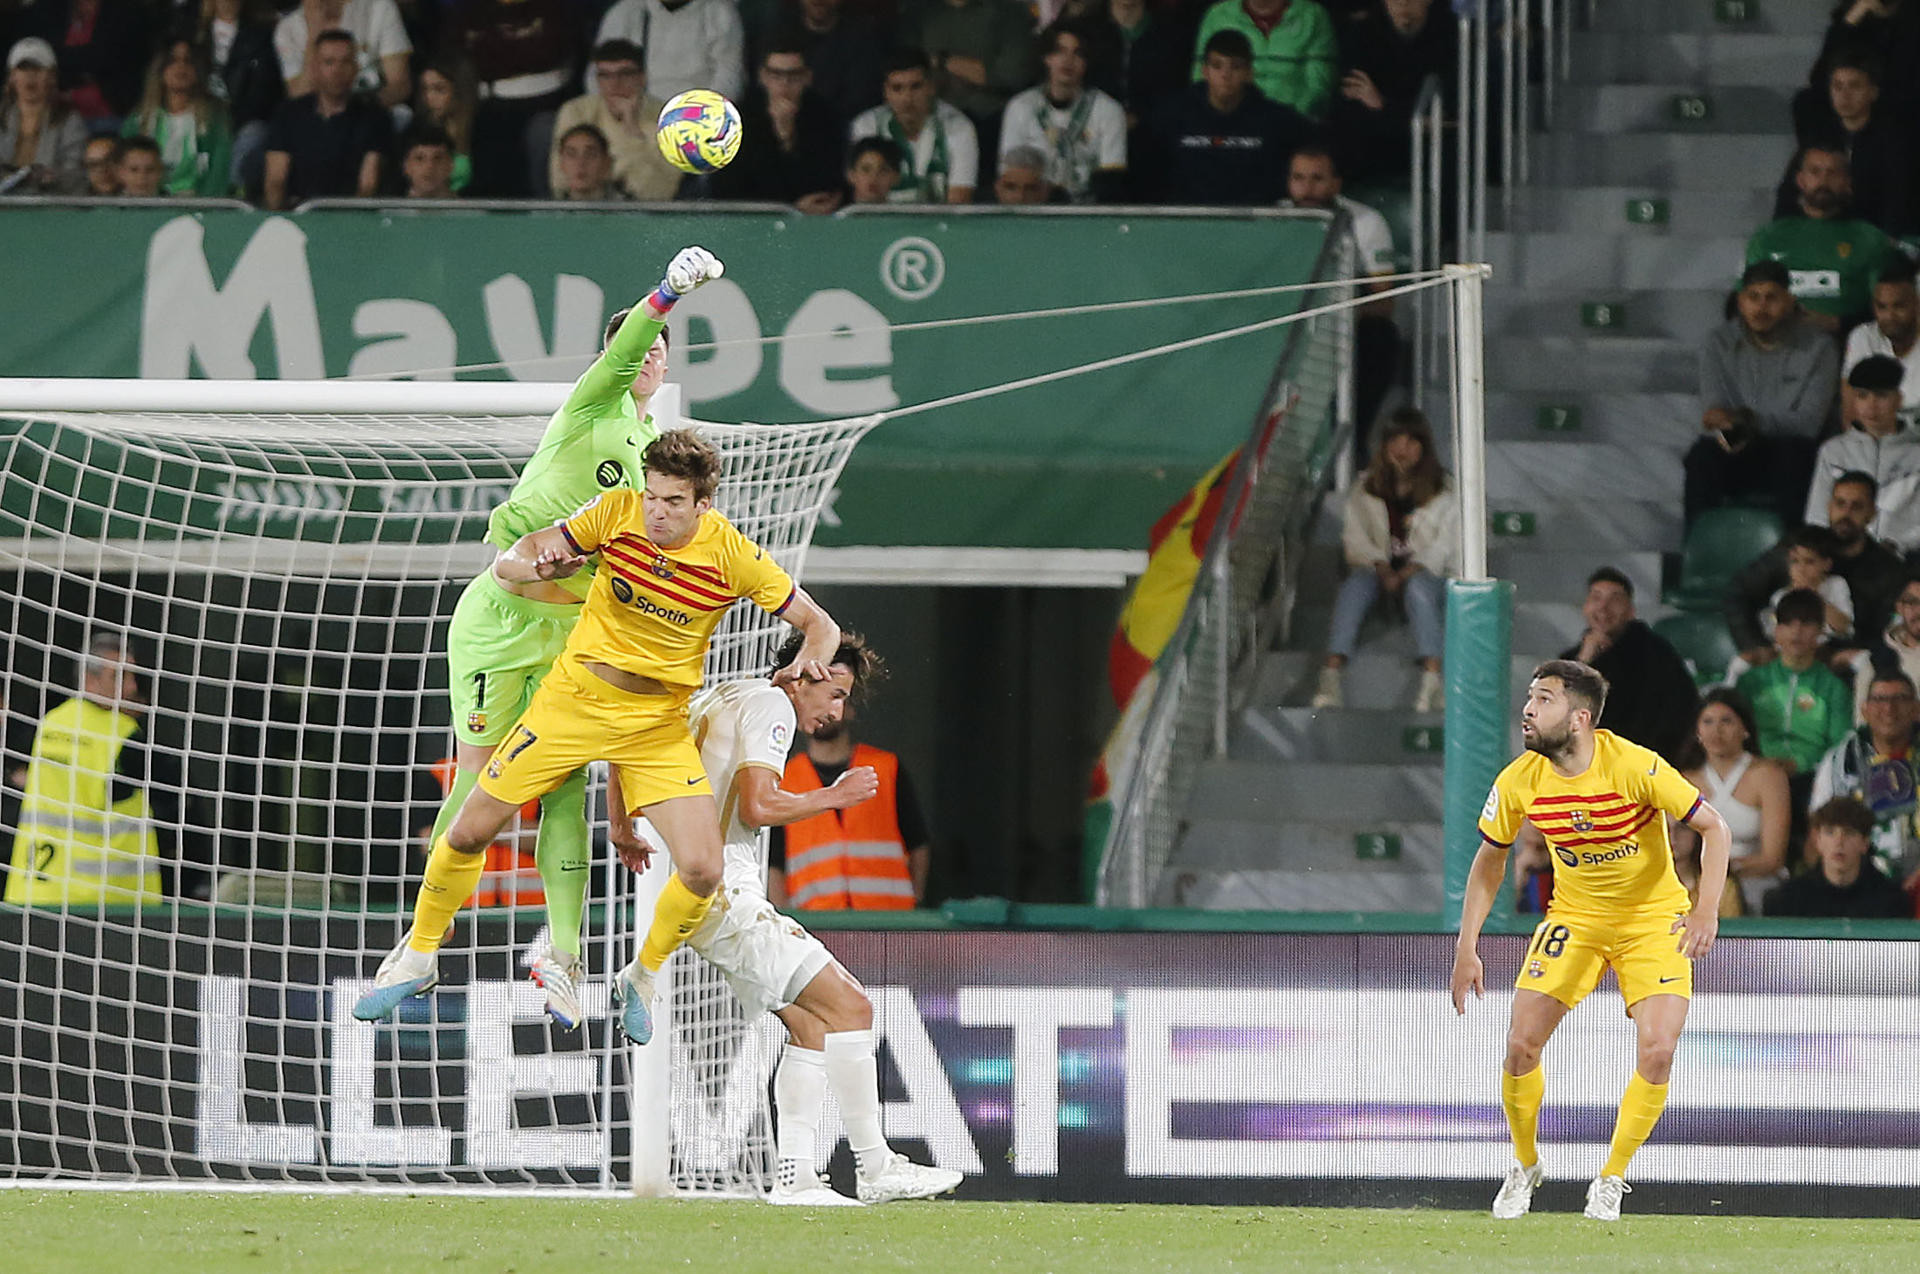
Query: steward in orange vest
[510, 877]
[852, 859]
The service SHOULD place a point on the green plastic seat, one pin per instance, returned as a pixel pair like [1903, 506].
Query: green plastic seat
[1703, 641]
[1720, 542]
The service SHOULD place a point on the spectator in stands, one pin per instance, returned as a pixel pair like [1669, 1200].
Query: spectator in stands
[1651, 697]
[1400, 540]
[446, 99]
[42, 142]
[873, 170]
[1874, 439]
[872, 856]
[103, 46]
[585, 167]
[1831, 256]
[1887, 29]
[1899, 648]
[329, 142]
[1386, 55]
[790, 149]
[1135, 56]
[522, 52]
[847, 52]
[1766, 391]
[426, 162]
[1314, 181]
[1879, 154]
[195, 139]
[1874, 572]
[139, 168]
[1751, 793]
[1082, 130]
[1221, 141]
[688, 43]
[103, 816]
[1894, 332]
[234, 42]
[1295, 57]
[381, 47]
[103, 166]
[939, 147]
[1802, 708]
[627, 117]
[980, 52]
[1844, 885]
[1022, 179]
[1878, 764]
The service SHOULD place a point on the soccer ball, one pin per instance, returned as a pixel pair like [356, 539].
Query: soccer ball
[699, 131]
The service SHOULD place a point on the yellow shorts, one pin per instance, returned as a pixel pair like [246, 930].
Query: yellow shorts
[1569, 952]
[575, 717]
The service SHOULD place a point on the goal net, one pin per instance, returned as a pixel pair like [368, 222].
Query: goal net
[282, 560]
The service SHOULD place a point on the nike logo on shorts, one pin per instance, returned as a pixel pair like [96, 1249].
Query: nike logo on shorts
[691, 782]
[1664, 981]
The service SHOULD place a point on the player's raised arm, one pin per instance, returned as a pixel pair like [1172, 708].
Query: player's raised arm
[1699, 927]
[1483, 884]
[613, 373]
[822, 638]
[546, 554]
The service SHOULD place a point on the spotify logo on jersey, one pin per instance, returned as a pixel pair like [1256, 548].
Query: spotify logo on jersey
[609, 473]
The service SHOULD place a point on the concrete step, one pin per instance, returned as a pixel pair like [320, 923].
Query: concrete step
[1549, 575]
[1674, 162]
[1309, 792]
[1218, 843]
[1581, 364]
[1664, 422]
[1682, 315]
[1537, 625]
[1373, 681]
[1357, 890]
[1550, 474]
[1602, 260]
[1351, 736]
[1708, 58]
[1674, 107]
[1765, 17]
[1693, 214]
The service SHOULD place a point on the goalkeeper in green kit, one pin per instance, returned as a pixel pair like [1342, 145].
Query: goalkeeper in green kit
[505, 637]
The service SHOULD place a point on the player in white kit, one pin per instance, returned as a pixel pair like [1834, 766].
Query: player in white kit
[744, 730]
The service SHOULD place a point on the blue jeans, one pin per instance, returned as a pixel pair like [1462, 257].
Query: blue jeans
[1426, 602]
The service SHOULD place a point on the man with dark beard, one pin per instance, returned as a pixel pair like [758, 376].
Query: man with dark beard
[1832, 257]
[872, 857]
[1603, 805]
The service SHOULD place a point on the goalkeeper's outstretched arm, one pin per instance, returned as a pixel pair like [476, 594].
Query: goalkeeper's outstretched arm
[613, 373]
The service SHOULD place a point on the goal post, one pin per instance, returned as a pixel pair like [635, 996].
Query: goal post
[284, 557]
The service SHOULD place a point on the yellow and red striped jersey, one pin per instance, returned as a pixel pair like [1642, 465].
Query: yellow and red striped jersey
[1610, 849]
[652, 611]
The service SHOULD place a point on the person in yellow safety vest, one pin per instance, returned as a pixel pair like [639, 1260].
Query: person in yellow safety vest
[88, 832]
[872, 857]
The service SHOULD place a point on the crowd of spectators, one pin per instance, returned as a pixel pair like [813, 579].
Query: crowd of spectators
[1189, 102]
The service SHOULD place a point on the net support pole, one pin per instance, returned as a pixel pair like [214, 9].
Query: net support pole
[1470, 416]
[651, 1064]
[1479, 645]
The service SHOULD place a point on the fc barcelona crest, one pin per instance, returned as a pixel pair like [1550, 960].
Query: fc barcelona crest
[1536, 970]
[1582, 821]
[476, 722]
[662, 567]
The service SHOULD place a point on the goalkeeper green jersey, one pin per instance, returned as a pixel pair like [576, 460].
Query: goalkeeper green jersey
[594, 443]
[1833, 262]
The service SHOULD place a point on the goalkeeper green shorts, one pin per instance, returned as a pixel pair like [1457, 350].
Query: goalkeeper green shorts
[499, 647]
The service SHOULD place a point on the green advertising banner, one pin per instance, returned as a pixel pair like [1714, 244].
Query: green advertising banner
[816, 318]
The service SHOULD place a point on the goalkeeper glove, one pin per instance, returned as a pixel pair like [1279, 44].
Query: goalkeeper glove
[689, 268]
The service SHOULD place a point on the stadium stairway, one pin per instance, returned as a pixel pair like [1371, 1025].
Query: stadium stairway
[1661, 160]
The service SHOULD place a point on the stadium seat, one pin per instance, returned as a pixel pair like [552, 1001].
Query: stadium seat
[1395, 204]
[1720, 542]
[1703, 641]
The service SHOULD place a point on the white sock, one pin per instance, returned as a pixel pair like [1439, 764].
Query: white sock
[853, 1073]
[799, 1090]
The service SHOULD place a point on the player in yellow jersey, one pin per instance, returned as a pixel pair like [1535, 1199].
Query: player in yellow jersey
[670, 568]
[1602, 803]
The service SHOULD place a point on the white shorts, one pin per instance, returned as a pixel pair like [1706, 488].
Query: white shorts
[767, 958]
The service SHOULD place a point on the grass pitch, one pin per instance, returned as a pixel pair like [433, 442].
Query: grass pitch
[54, 1232]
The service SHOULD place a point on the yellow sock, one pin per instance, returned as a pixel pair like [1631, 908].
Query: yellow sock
[1521, 1095]
[1640, 1108]
[449, 881]
[675, 917]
